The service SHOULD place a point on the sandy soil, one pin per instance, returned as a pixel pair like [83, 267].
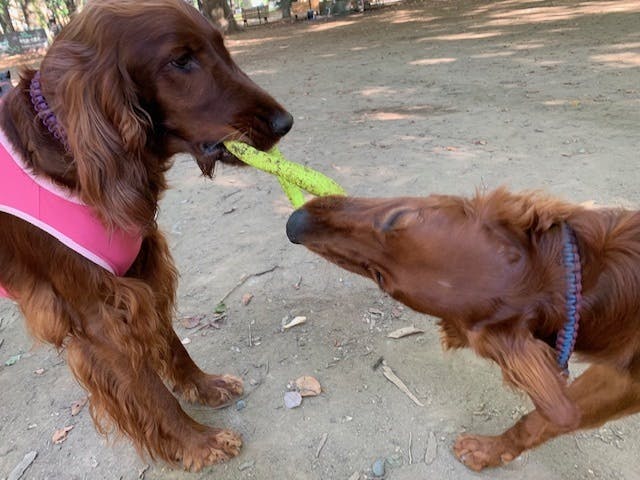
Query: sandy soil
[404, 100]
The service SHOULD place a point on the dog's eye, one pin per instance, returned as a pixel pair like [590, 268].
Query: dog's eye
[184, 62]
[397, 220]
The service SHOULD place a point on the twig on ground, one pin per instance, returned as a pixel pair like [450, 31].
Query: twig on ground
[230, 194]
[210, 323]
[410, 446]
[379, 362]
[143, 471]
[244, 279]
[323, 440]
[393, 378]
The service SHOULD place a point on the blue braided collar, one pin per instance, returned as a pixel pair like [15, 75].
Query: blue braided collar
[566, 338]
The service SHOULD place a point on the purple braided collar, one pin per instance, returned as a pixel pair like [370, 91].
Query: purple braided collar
[44, 112]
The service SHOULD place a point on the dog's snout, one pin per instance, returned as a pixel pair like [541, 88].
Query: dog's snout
[297, 225]
[280, 123]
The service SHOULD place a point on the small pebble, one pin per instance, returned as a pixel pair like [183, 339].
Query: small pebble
[241, 405]
[395, 460]
[378, 467]
[292, 399]
[245, 465]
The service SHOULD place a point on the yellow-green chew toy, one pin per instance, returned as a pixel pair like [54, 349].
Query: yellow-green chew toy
[293, 177]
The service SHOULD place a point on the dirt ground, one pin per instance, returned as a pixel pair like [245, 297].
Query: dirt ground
[404, 100]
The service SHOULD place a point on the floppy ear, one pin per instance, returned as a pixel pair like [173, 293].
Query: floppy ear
[96, 103]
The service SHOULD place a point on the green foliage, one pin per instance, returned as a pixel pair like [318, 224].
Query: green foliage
[15, 13]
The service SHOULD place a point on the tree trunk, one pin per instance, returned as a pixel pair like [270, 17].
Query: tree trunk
[219, 12]
[57, 9]
[71, 6]
[24, 5]
[5, 18]
[285, 5]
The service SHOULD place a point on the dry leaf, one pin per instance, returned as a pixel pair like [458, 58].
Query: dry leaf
[246, 298]
[592, 205]
[294, 322]
[60, 435]
[192, 321]
[404, 331]
[24, 464]
[431, 452]
[77, 406]
[308, 386]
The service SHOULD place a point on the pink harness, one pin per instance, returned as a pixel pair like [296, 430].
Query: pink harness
[49, 207]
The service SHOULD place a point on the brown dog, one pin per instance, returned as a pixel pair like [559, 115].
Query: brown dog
[494, 269]
[125, 86]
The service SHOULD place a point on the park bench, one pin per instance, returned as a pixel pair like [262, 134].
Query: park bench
[261, 13]
[373, 4]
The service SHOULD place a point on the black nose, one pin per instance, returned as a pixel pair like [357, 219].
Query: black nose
[281, 122]
[297, 224]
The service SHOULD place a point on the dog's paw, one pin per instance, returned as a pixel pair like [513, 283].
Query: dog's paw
[212, 390]
[211, 447]
[477, 451]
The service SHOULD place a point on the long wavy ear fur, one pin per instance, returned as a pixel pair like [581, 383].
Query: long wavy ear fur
[96, 102]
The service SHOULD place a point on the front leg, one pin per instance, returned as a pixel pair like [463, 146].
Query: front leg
[133, 398]
[528, 364]
[155, 266]
[196, 386]
[601, 394]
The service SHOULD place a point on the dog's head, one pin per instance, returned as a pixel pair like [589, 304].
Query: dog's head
[134, 82]
[442, 255]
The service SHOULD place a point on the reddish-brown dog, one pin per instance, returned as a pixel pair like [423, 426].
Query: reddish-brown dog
[132, 82]
[491, 268]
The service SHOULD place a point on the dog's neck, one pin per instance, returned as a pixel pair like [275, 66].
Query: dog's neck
[32, 140]
[46, 156]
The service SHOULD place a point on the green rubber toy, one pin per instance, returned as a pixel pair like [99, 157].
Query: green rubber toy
[293, 177]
